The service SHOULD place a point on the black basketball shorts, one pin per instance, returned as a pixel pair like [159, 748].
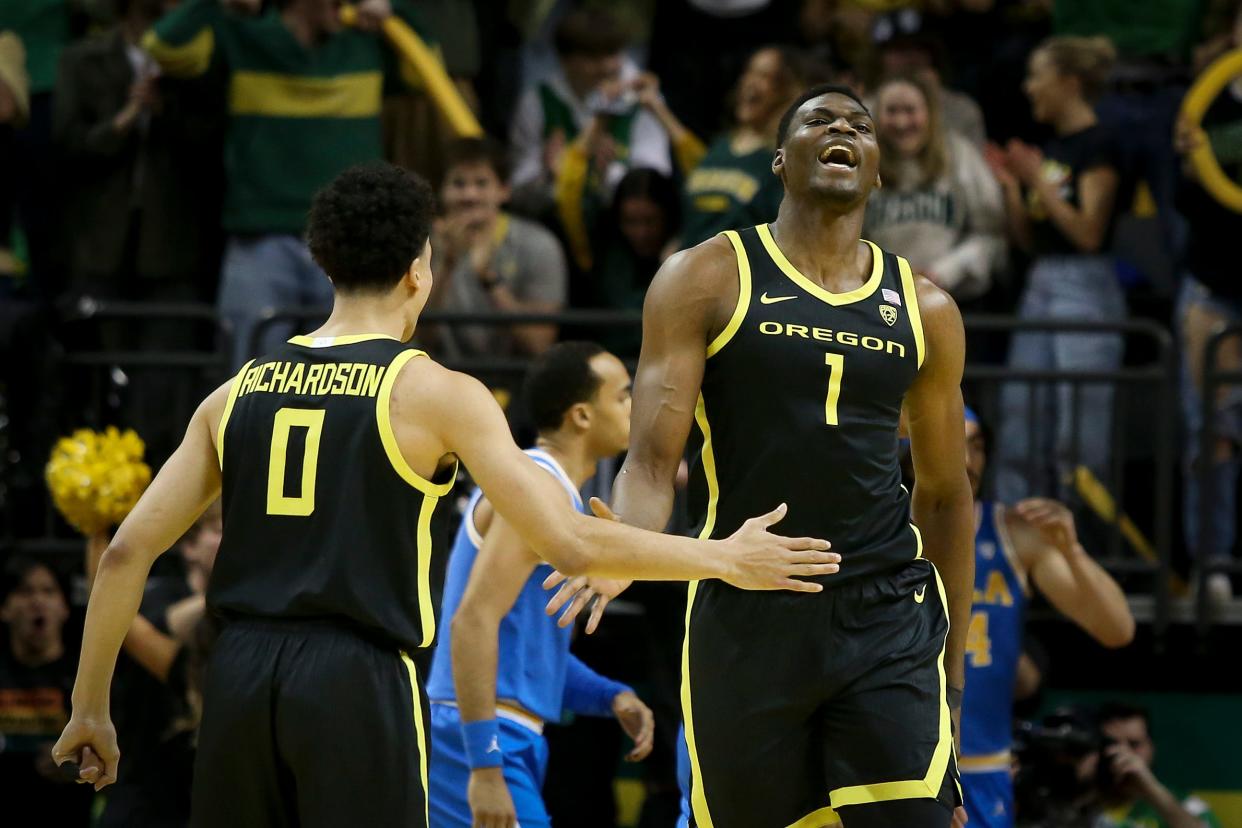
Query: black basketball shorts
[309, 724]
[797, 705]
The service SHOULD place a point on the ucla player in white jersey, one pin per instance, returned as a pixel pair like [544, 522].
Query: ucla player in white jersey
[503, 667]
[1031, 544]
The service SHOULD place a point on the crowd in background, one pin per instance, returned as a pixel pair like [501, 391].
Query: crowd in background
[157, 151]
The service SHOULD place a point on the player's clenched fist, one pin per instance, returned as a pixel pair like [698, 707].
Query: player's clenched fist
[759, 559]
[91, 744]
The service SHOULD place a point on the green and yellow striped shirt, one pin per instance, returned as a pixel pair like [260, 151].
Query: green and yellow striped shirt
[298, 116]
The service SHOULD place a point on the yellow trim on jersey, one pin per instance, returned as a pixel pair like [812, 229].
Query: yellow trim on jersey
[709, 468]
[383, 418]
[420, 731]
[1001, 760]
[698, 799]
[815, 819]
[329, 341]
[912, 307]
[743, 295]
[929, 786]
[850, 296]
[228, 411]
[426, 611]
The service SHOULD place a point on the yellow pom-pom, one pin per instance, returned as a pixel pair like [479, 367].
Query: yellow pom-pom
[95, 478]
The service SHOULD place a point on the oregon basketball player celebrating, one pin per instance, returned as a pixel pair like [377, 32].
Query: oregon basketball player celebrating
[794, 348]
[339, 449]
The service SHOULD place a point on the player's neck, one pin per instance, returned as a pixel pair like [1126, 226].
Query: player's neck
[354, 315]
[571, 454]
[822, 242]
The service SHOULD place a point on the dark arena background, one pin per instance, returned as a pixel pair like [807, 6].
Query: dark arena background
[1069, 171]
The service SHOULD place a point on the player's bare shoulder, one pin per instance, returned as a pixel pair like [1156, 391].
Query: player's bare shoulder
[696, 287]
[426, 397]
[943, 331]
[210, 412]
[935, 304]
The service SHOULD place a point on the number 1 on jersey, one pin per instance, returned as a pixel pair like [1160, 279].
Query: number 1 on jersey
[286, 420]
[836, 367]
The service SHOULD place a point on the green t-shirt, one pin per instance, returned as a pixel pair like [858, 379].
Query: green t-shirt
[727, 191]
[1143, 815]
[1138, 28]
[43, 26]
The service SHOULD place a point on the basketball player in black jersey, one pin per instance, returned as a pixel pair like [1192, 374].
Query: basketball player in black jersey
[332, 455]
[792, 350]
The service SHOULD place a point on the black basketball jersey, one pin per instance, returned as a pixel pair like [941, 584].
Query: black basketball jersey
[323, 518]
[800, 402]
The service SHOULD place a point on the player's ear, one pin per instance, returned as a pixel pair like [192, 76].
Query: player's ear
[419, 274]
[778, 161]
[580, 416]
[879, 183]
[413, 278]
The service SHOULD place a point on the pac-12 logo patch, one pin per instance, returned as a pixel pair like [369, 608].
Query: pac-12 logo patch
[889, 314]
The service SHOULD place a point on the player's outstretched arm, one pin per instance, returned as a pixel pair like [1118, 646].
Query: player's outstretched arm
[469, 423]
[500, 571]
[942, 503]
[1047, 546]
[183, 489]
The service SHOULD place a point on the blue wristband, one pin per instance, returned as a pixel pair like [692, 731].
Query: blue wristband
[482, 740]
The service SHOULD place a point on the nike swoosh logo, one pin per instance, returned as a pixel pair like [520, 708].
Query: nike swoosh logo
[767, 300]
[920, 594]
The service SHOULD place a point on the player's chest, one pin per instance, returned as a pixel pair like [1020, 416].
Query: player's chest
[803, 347]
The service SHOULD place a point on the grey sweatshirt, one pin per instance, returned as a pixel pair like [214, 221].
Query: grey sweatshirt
[952, 229]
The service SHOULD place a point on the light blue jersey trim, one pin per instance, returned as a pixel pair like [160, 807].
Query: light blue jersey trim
[545, 461]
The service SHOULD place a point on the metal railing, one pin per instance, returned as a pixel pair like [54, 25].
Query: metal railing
[1216, 379]
[471, 364]
[112, 371]
[1150, 387]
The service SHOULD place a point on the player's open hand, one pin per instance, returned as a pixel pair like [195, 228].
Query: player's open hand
[959, 817]
[637, 721]
[491, 806]
[759, 559]
[91, 745]
[578, 592]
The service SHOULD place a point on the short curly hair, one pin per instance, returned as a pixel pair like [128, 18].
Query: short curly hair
[368, 225]
[558, 380]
